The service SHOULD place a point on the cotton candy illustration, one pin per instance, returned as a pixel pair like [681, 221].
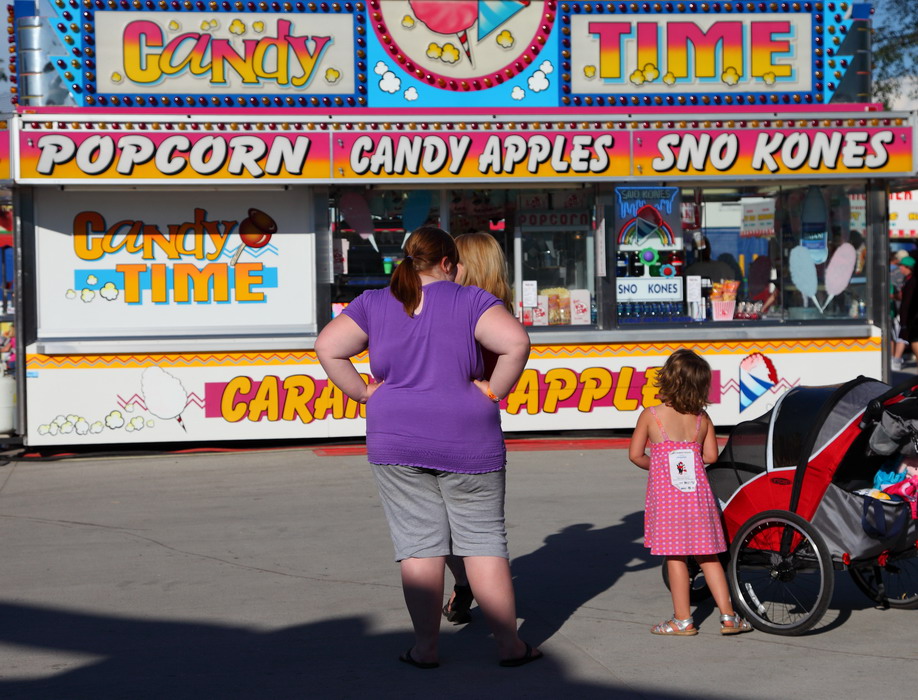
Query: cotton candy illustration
[839, 271]
[803, 274]
[448, 17]
[164, 394]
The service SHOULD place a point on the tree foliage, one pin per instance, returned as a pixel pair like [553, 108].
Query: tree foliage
[895, 50]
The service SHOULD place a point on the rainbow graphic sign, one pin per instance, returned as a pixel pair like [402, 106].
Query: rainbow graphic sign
[646, 213]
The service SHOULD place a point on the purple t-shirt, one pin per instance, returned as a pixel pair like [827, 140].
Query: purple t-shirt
[428, 413]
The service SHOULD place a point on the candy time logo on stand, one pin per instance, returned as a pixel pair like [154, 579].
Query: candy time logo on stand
[203, 240]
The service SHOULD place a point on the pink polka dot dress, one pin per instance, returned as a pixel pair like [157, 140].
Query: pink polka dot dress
[681, 516]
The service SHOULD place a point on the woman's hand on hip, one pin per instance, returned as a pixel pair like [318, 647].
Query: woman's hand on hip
[371, 389]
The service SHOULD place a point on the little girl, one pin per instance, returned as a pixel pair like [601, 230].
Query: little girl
[681, 518]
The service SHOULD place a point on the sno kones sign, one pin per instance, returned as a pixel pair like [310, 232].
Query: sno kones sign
[446, 53]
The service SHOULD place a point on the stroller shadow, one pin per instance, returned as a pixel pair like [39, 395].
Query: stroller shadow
[571, 568]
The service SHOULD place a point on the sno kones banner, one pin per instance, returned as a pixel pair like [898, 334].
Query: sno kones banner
[460, 54]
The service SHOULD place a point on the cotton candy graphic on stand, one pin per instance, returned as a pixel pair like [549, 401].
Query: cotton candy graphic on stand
[756, 376]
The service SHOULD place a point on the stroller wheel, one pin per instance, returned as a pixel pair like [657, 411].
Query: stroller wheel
[780, 573]
[894, 585]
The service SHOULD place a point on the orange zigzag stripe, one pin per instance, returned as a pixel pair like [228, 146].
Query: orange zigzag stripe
[538, 352]
[708, 348]
[206, 360]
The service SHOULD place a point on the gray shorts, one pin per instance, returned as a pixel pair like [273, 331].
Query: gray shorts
[433, 513]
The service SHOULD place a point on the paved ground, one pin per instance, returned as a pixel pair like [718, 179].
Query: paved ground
[269, 575]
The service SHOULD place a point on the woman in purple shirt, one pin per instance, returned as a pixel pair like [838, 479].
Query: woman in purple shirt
[433, 431]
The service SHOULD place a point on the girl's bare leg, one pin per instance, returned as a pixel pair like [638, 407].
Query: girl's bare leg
[716, 579]
[677, 571]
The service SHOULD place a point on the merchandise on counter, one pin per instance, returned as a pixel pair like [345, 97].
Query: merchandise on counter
[559, 305]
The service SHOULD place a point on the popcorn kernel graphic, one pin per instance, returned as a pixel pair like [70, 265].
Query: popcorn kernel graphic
[730, 76]
[650, 72]
[109, 291]
[205, 25]
[637, 77]
[117, 77]
[669, 79]
[258, 27]
[332, 76]
[174, 26]
[770, 78]
[114, 420]
[450, 54]
[408, 22]
[434, 50]
[589, 72]
[505, 40]
[237, 27]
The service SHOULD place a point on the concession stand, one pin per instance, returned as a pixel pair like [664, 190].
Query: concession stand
[200, 185]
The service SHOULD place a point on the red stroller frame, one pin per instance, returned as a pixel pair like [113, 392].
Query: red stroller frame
[787, 483]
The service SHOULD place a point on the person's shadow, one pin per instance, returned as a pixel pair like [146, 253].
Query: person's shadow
[145, 658]
[573, 567]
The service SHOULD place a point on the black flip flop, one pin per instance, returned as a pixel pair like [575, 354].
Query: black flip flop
[530, 655]
[409, 659]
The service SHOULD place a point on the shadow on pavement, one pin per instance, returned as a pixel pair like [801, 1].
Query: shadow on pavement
[341, 658]
[574, 566]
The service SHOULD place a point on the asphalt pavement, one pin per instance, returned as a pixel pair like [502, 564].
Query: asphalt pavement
[269, 574]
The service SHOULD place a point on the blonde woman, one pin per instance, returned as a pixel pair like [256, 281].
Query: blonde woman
[481, 264]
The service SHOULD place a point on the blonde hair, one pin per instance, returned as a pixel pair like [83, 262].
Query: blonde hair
[684, 382]
[484, 265]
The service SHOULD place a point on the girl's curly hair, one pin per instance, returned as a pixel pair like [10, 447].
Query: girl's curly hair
[684, 382]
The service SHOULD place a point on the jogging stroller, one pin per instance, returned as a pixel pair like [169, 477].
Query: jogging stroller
[793, 486]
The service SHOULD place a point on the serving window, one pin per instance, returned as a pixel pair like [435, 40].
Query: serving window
[758, 253]
[763, 253]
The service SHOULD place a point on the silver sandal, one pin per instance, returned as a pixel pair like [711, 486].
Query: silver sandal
[739, 625]
[675, 627]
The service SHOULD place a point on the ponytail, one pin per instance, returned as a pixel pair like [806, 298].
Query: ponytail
[424, 249]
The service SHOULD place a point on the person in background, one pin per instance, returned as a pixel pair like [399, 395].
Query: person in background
[908, 312]
[681, 517]
[433, 432]
[8, 349]
[896, 280]
[481, 264]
